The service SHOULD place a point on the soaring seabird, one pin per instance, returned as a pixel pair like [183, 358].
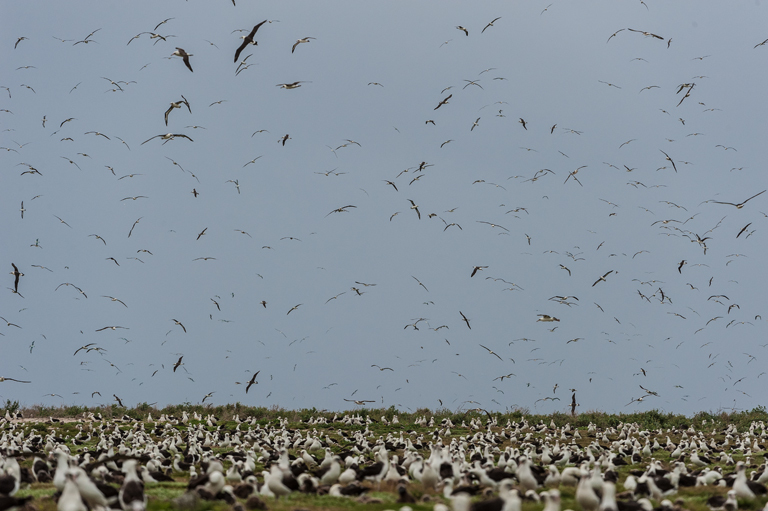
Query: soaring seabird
[741, 204]
[248, 39]
[465, 320]
[299, 41]
[16, 274]
[444, 102]
[294, 85]
[184, 55]
[168, 136]
[490, 24]
[2, 379]
[182, 327]
[177, 104]
[252, 381]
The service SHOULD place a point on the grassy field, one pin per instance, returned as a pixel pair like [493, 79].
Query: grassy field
[162, 495]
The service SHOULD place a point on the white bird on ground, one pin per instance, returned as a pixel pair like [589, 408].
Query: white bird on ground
[70, 499]
[333, 472]
[608, 502]
[551, 500]
[131, 496]
[745, 489]
[88, 489]
[586, 496]
[275, 482]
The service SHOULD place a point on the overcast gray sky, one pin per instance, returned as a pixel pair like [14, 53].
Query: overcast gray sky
[313, 221]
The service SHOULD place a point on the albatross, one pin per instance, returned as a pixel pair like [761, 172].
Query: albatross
[248, 39]
[168, 136]
[184, 55]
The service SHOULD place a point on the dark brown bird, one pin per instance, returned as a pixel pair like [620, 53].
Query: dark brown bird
[16, 274]
[476, 269]
[743, 229]
[252, 381]
[465, 320]
[444, 102]
[177, 364]
[248, 39]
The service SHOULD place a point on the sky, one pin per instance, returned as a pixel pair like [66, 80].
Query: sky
[601, 153]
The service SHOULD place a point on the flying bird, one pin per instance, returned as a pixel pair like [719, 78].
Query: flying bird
[112, 328]
[341, 209]
[359, 402]
[294, 85]
[476, 269]
[248, 39]
[134, 225]
[182, 326]
[177, 104]
[669, 160]
[177, 364]
[490, 24]
[168, 136]
[3, 378]
[602, 278]
[83, 348]
[741, 204]
[184, 55]
[465, 320]
[87, 38]
[304, 40]
[414, 206]
[444, 102]
[252, 381]
[646, 34]
[16, 274]
[114, 299]
[491, 351]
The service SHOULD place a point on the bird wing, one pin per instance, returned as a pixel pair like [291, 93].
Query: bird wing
[241, 48]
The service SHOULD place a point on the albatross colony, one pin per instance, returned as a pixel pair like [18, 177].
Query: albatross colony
[484, 462]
